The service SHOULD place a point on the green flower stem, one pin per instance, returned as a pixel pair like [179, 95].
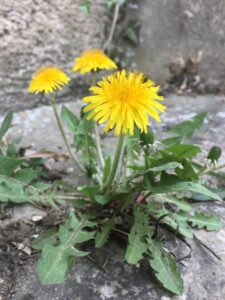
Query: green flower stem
[146, 155]
[74, 158]
[115, 164]
[97, 135]
[98, 147]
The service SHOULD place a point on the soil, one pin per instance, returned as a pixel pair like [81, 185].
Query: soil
[12, 260]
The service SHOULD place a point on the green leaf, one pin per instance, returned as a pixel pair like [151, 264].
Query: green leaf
[26, 175]
[187, 172]
[89, 191]
[199, 197]
[17, 191]
[132, 146]
[165, 167]
[102, 199]
[182, 204]
[136, 168]
[201, 220]
[78, 202]
[8, 165]
[85, 127]
[169, 142]
[12, 190]
[165, 268]
[136, 238]
[158, 168]
[48, 237]
[186, 129]
[136, 246]
[102, 236]
[42, 186]
[214, 153]
[177, 221]
[69, 118]
[12, 150]
[56, 260]
[93, 193]
[183, 151]
[86, 144]
[170, 183]
[6, 124]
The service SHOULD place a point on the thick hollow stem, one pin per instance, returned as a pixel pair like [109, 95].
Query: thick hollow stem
[115, 164]
[98, 147]
[74, 158]
[146, 155]
[97, 135]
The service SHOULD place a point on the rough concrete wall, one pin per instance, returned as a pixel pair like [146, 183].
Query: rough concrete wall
[34, 33]
[173, 27]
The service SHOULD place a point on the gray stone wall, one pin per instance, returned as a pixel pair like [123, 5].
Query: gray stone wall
[182, 27]
[34, 33]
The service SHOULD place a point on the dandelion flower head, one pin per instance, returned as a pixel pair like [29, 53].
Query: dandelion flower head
[47, 80]
[93, 60]
[124, 101]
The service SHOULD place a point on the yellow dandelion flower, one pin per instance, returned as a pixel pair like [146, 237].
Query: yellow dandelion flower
[93, 60]
[47, 80]
[123, 101]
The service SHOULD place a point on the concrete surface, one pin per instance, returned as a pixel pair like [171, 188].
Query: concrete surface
[34, 33]
[181, 27]
[38, 126]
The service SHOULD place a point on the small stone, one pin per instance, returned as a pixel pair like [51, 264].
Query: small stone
[69, 170]
[106, 292]
[188, 14]
[37, 218]
[23, 248]
[27, 250]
